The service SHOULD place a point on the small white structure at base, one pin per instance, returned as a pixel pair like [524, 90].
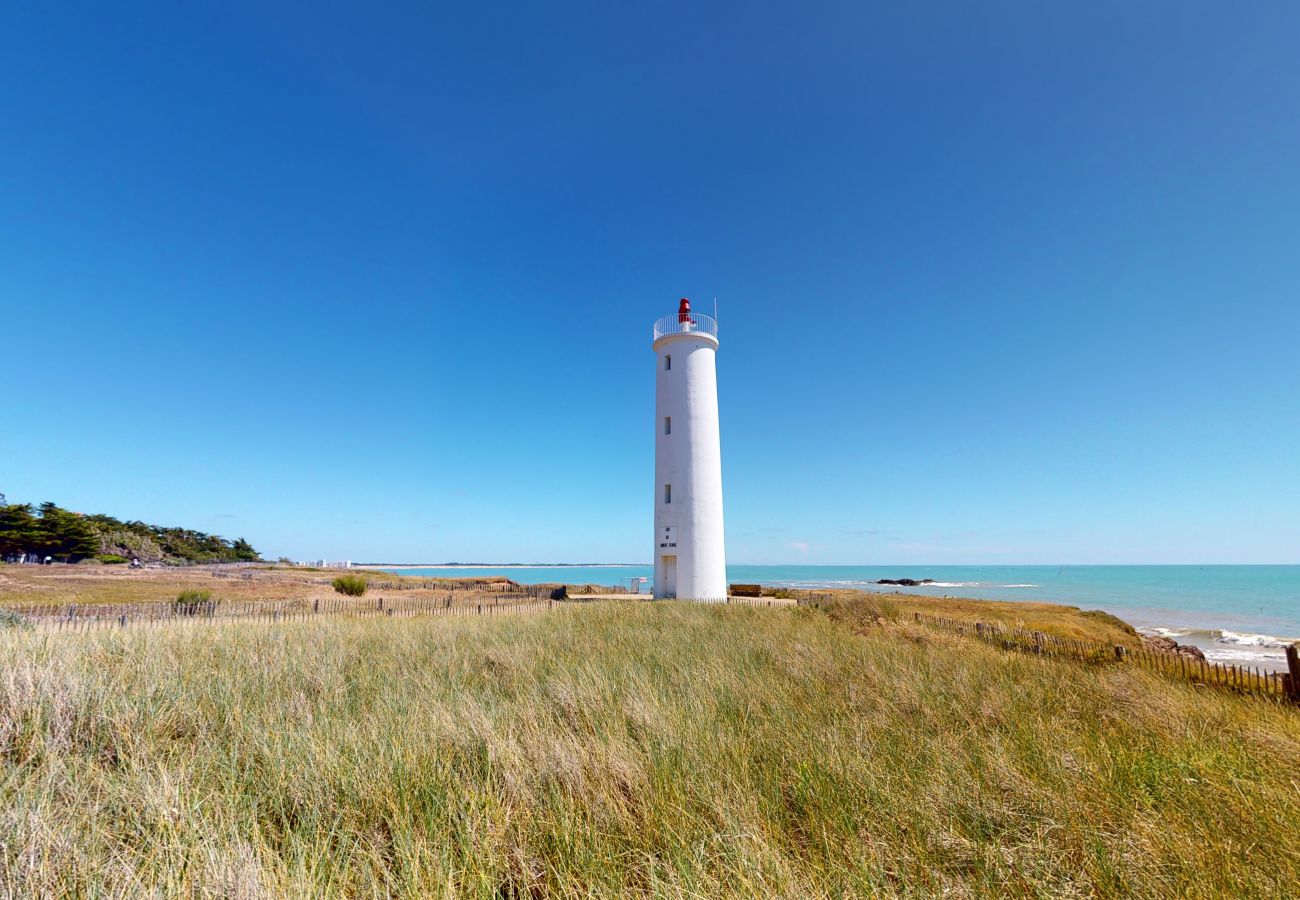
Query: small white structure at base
[689, 555]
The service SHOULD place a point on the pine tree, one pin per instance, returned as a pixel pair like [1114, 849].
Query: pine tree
[17, 529]
[244, 550]
[66, 534]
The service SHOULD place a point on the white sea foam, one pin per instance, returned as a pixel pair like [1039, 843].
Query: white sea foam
[1165, 632]
[1243, 639]
[1022, 585]
[1241, 655]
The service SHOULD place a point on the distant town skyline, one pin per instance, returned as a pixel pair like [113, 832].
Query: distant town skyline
[1005, 285]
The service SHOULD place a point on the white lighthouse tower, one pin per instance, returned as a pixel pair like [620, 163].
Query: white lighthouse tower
[689, 558]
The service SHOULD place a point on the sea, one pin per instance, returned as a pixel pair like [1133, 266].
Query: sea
[1237, 614]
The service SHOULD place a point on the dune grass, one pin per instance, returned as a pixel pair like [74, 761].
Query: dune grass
[622, 750]
[1051, 618]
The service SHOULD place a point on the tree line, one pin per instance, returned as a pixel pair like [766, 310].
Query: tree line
[50, 530]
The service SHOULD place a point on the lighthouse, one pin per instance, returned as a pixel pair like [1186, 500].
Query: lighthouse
[690, 561]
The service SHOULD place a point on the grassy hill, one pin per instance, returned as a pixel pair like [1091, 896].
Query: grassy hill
[625, 750]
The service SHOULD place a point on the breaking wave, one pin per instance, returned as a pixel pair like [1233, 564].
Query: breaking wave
[1243, 639]
[1169, 632]
[1225, 645]
[1240, 655]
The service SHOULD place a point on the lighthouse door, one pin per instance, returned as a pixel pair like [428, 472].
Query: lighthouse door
[670, 576]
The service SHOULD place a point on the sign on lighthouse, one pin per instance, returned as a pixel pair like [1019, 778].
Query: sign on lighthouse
[690, 561]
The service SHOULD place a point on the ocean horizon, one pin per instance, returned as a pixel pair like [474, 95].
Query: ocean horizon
[1244, 614]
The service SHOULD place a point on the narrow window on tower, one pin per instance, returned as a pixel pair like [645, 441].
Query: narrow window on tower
[668, 424]
[668, 493]
[668, 363]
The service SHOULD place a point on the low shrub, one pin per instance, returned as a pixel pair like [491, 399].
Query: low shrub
[11, 619]
[111, 559]
[351, 585]
[191, 603]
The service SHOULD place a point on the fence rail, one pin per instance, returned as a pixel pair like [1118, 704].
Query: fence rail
[89, 617]
[694, 323]
[1241, 679]
[227, 609]
[736, 600]
[123, 616]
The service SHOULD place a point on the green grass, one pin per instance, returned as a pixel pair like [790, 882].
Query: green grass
[620, 750]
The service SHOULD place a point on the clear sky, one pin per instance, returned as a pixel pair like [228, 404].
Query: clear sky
[998, 282]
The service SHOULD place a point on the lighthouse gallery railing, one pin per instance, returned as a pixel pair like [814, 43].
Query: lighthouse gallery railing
[696, 324]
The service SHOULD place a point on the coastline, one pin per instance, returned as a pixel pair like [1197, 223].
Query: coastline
[1219, 645]
[1244, 615]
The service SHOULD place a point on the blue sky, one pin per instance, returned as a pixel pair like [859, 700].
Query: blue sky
[1001, 282]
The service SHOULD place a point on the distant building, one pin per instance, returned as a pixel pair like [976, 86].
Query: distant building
[326, 564]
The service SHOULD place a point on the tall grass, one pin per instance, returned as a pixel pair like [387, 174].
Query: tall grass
[624, 750]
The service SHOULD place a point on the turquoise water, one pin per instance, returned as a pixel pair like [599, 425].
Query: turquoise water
[1238, 613]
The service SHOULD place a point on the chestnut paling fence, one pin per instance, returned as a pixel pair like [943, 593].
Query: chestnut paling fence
[88, 617]
[762, 601]
[1242, 679]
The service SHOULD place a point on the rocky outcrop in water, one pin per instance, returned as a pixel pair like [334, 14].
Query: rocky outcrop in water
[905, 582]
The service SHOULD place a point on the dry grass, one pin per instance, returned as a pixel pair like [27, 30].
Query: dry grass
[91, 584]
[621, 750]
[61, 585]
[1050, 618]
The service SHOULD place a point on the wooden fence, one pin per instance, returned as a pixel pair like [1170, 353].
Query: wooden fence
[450, 595]
[407, 583]
[1242, 679]
[741, 600]
[80, 619]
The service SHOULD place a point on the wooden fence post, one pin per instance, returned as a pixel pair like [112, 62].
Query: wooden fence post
[1292, 680]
